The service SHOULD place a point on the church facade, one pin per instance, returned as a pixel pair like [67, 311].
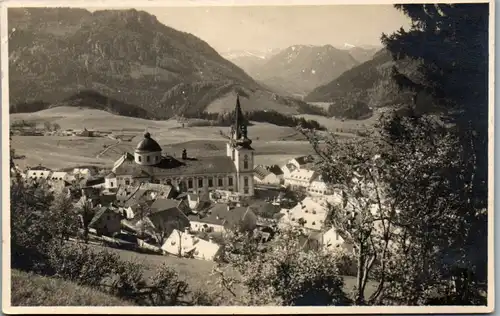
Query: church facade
[232, 171]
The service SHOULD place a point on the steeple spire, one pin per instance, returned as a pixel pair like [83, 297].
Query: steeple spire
[239, 121]
[239, 129]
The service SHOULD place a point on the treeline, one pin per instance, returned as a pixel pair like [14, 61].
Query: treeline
[269, 116]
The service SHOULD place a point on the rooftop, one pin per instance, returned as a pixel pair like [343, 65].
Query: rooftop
[220, 215]
[172, 166]
[148, 144]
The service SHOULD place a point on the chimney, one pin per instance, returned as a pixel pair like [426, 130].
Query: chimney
[184, 154]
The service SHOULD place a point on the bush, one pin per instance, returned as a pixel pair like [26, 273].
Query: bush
[82, 265]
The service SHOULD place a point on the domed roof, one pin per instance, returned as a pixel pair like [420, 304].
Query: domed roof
[148, 144]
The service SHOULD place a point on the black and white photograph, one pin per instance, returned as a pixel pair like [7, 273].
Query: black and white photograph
[223, 157]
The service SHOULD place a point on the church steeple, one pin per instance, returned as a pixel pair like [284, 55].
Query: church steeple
[239, 132]
[239, 127]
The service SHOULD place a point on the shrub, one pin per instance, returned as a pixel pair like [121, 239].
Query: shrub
[80, 264]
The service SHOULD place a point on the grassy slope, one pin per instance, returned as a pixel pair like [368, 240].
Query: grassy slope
[35, 290]
[198, 272]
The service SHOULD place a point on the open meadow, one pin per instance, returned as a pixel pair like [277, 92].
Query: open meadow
[273, 144]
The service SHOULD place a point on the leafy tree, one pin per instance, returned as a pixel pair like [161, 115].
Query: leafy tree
[48, 126]
[86, 213]
[30, 234]
[283, 274]
[454, 71]
[63, 216]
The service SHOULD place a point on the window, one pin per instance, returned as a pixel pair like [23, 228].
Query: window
[169, 182]
[156, 158]
[190, 183]
[210, 182]
[127, 182]
[245, 190]
[230, 181]
[111, 183]
[245, 162]
[147, 158]
[200, 182]
[245, 180]
[220, 182]
[139, 158]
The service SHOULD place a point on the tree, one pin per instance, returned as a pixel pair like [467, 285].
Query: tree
[86, 213]
[47, 125]
[453, 69]
[283, 274]
[56, 127]
[30, 235]
[63, 216]
[366, 215]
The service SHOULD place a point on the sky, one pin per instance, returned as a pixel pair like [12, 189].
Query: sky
[233, 28]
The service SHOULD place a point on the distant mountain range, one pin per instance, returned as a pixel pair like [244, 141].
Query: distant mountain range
[364, 87]
[126, 56]
[299, 69]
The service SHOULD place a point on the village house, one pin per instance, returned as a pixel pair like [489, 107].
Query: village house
[331, 239]
[106, 221]
[224, 196]
[222, 217]
[310, 214]
[318, 187]
[38, 172]
[300, 178]
[233, 171]
[266, 175]
[183, 244]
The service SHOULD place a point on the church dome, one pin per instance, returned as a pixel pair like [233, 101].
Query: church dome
[148, 144]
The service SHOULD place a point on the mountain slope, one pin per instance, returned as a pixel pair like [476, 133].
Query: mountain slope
[249, 60]
[364, 87]
[363, 54]
[301, 68]
[126, 55]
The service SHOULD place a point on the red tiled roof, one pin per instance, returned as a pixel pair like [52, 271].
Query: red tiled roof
[171, 166]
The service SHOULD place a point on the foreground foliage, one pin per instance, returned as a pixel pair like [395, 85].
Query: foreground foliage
[282, 273]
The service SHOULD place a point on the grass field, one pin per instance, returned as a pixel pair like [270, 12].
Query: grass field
[34, 290]
[273, 144]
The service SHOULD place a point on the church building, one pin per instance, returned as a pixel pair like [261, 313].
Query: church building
[232, 171]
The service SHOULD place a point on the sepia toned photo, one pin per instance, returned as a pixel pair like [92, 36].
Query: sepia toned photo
[257, 158]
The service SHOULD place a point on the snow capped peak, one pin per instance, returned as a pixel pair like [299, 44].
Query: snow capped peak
[347, 45]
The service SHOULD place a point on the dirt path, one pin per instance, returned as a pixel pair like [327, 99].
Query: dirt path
[107, 148]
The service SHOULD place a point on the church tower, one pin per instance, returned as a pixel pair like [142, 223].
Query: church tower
[241, 152]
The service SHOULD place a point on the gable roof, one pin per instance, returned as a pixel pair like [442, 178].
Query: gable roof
[220, 215]
[189, 243]
[261, 172]
[160, 205]
[98, 215]
[313, 212]
[303, 175]
[276, 170]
